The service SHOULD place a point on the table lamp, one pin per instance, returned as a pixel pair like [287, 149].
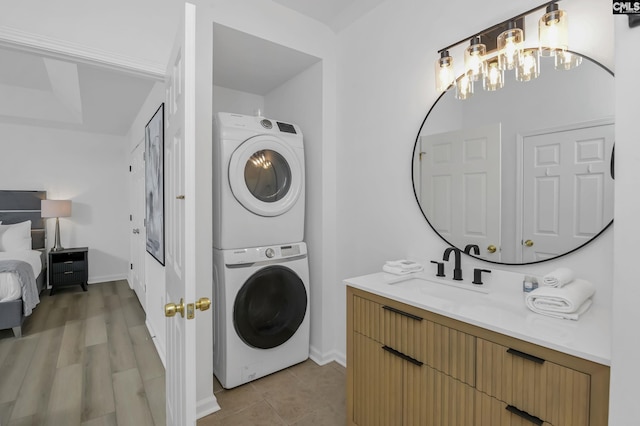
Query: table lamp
[57, 209]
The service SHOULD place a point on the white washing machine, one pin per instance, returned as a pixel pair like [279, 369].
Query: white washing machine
[261, 311]
[258, 182]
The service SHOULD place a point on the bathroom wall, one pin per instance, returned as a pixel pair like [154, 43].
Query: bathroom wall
[625, 372]
[385, 88]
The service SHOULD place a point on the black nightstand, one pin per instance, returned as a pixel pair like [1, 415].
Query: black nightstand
[68, 267]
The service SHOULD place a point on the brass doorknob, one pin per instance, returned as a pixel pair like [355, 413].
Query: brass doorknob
[492, 248]
[203, 303]
[170, 309]
[528, 243]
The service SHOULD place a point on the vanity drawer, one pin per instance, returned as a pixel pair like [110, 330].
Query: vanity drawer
[367, 317]
[443, 348]
[551, 392]
[492, 412]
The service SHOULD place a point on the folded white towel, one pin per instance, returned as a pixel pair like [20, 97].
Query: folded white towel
[558, 278]
[568, 302]
[399, 271]
[405, 265]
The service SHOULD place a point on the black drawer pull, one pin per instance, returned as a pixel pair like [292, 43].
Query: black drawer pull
[403, 356]
[68, 272]
[404, 314]
[533, 419]
[525, 356]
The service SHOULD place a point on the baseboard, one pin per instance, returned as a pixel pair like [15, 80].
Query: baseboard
[322, 359]
[107, 278]
[156, 342]
[207, 406]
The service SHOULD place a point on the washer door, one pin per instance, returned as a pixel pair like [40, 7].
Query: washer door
[265, 175]
[270, 307]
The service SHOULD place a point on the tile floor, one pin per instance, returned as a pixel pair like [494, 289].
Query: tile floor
[305, 394]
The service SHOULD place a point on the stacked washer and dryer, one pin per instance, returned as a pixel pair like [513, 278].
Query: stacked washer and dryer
[261, 271]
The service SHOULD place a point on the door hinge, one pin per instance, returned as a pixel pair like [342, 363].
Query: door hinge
[131, 266]
[144, 222]
[130, 218]
[130, 168]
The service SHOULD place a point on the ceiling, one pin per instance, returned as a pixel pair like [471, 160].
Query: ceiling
[44, 90]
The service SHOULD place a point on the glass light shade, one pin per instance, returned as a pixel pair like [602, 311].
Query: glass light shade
[566, 60]
[553, 34]
[494, 77]
[464, 87]
[474, 63]
[510, 44]
[529, 65]
[444, 72]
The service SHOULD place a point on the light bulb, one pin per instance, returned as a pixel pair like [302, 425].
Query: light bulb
[444, 71]
[474, 62]
[510, 44]
[552, 31]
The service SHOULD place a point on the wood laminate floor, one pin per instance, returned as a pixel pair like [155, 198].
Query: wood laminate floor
[86, 358]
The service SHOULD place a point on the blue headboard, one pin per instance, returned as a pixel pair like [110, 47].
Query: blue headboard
[18, 206]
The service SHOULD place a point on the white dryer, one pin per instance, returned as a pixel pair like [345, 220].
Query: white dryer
[258, 182]
[261, 311]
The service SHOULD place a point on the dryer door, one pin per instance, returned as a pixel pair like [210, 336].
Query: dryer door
[270, 307]
[265, 175]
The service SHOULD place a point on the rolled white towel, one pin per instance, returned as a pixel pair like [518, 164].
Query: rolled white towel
[558, 278]
[568, 302]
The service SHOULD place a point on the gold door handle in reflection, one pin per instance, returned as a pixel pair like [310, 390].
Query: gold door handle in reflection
[492, 248]
[170, 309]
[203, 303]
[528, 243]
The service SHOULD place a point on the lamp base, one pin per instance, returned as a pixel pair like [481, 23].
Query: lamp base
[56, 245]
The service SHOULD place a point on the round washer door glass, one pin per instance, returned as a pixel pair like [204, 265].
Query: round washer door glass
[265, 175]
[270, 307]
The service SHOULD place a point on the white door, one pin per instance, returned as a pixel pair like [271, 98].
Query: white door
[567, 190]
[461, 187]
[138, 238]
[180, 224]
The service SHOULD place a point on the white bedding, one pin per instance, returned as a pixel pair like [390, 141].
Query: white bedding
[9, 285]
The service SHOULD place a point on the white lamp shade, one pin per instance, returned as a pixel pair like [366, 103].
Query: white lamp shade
[56, 208]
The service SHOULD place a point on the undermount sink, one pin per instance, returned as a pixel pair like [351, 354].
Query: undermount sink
[434, 286]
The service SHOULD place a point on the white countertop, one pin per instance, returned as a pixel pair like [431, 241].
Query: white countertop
[501, 310]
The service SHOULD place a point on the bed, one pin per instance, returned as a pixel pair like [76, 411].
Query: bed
[16, 208]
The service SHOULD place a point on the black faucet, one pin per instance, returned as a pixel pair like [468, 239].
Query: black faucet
[472, 247]
[457, 271]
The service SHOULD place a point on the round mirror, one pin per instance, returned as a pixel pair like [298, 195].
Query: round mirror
[525, 172]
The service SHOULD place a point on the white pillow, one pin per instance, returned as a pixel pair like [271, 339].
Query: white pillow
[15, 237]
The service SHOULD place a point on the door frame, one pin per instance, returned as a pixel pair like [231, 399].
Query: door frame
[520, 137]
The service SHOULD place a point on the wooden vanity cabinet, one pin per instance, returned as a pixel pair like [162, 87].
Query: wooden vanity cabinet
[407, 366]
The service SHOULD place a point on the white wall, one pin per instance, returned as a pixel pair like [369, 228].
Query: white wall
[87, 168]
[625, 371]
[299, 101]
[237, 102]
[385, 88]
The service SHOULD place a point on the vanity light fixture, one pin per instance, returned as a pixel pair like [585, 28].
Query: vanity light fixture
[510, 46]
[444, 71]
[475, 64]
[464, 87]
[552, 31]
[501, 47]
[493, 77]
[529, 66]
